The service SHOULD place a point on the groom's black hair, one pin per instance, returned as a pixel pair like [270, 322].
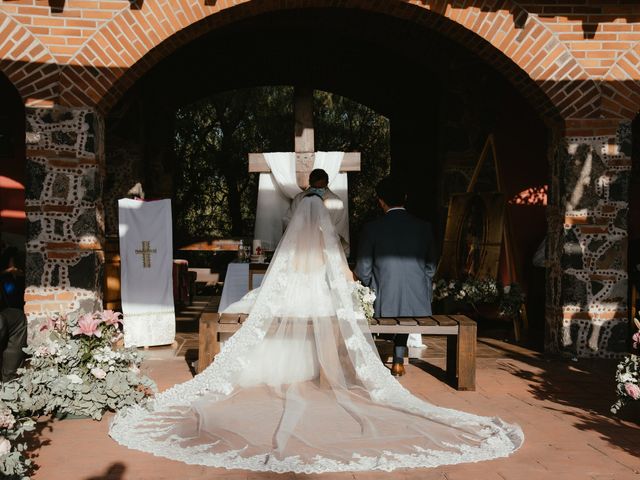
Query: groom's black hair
[392, 191]
[317, 175]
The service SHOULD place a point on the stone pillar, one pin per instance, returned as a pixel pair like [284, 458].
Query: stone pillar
[65, 231]
[587, 240]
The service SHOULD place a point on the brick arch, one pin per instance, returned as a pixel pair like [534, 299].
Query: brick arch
[621, 91]
[129, 44]
[27, 64]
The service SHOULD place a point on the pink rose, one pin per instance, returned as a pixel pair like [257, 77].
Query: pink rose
[54, 323]
[632, 390]
[636, 340]
[111, 318]
[48, 324]
[88, 325]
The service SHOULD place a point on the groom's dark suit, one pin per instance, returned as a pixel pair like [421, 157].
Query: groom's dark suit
[397, 259]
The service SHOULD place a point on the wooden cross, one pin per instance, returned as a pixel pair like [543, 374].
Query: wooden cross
[146, 252]
[304, 142]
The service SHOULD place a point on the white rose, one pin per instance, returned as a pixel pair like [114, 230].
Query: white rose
[73, 378]
[41, 351]
[626, 377]
[5, 446]
[134, 368]
[98, 373]
[7, 420]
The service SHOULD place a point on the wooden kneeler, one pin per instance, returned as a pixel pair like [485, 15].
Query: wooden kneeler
[208, 344]
[460, 331]
[461, 354]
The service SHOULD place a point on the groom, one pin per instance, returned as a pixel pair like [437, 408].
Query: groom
[396, 258]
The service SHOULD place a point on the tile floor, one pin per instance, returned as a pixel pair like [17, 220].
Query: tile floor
[562, 406]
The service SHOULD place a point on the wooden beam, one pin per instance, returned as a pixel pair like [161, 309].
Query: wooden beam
[350, 162]
[303, 114]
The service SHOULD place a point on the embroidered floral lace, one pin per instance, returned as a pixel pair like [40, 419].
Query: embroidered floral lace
[301, 388]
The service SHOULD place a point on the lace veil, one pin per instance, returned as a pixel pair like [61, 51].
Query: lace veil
[301, 388]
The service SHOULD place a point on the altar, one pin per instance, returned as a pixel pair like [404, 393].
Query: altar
[236, 283]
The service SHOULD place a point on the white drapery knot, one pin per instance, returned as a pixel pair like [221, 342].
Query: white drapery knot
[277, 189]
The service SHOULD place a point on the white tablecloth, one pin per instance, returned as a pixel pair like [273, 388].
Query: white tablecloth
[236, 284]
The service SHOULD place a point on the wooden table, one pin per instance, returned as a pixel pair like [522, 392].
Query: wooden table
[460, 331]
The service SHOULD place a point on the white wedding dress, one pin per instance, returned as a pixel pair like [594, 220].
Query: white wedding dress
[301, 388]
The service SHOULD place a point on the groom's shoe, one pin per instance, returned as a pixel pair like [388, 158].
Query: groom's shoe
[397, 369]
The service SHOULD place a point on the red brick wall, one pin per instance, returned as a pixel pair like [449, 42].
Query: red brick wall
[565, 48]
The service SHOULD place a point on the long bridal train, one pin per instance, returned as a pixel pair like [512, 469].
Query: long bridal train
[300, 387]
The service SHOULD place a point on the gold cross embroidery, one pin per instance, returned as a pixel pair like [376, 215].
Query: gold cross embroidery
[146, 254]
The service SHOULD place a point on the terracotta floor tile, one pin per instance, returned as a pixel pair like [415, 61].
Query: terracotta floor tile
[562, 408]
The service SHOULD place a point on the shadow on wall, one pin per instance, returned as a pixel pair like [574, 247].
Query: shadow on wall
[57, 6]
[590, 12]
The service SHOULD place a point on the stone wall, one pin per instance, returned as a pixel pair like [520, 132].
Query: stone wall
[123, 178]
[65, 228]
[587, 244]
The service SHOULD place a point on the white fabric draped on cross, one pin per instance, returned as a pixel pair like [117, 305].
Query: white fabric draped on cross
[278, 188]
[146, 253]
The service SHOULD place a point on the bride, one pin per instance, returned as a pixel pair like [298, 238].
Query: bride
[301, 388]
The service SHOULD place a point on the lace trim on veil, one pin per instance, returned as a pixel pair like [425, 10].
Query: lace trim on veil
[499, 439]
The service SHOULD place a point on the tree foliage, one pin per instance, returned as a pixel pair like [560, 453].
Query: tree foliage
[215, 194]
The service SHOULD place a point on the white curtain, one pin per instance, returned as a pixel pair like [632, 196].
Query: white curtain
[278, 188]
[146, 283]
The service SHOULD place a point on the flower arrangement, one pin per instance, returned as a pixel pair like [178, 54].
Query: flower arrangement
[365, 298]
[628, 375]
[13, 463]
[78, 367]
[82, 368]
[474, 291]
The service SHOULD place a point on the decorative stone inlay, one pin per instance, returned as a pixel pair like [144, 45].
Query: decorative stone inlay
[124, 167]
[64, 211]
[587, 296]
[35, 179]
[85, 273]
[60, 186]
[61, 129]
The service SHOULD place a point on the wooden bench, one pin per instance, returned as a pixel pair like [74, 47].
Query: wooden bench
[459, 330]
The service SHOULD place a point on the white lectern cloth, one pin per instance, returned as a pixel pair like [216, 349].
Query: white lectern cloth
[278, 188]
[147, 291]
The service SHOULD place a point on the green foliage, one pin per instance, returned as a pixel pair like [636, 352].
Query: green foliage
[74, 372]
[473, 291]
[13, 463]
[215, 194]
[78, 366]
[344, 125]
[628, 374]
